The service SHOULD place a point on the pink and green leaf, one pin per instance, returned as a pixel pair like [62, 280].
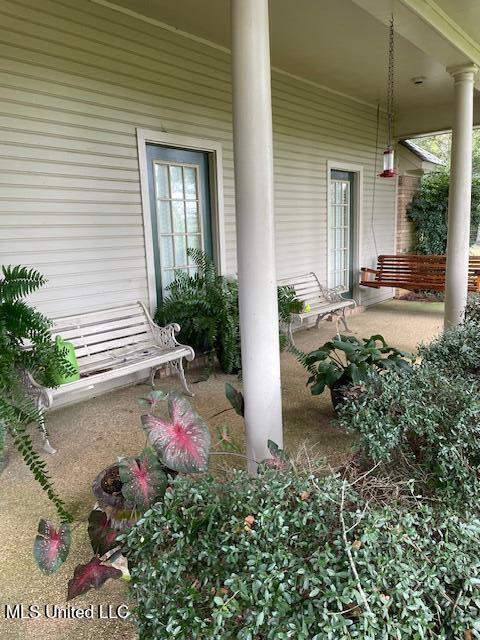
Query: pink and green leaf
[51, 546]
[90, 576]
[183, 442]
[151, 400]
[143, 480]
[101, 533]
[279, 458]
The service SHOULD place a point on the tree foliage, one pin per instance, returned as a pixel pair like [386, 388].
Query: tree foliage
[429, 214]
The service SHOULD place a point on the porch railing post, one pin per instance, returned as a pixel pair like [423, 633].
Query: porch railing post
[459, 202]
[253, 155]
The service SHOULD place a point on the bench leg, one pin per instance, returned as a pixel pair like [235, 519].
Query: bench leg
[343, 318]
[178, 368]
[290, 334]
[46, 444]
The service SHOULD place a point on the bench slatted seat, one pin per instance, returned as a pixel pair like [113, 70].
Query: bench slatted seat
[321, 300]
[412, 272]
[110, 344]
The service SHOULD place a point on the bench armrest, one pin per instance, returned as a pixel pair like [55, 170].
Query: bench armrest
[365, 271]
[336, 294]
[165, 336]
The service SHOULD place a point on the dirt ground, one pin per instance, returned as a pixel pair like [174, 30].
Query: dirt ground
[91, 435]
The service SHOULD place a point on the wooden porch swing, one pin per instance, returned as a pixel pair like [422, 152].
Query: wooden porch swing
[413, 272]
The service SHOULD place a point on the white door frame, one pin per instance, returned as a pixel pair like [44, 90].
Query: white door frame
[357, 169]
[215, 156]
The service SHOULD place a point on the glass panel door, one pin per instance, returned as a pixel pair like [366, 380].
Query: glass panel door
[180, 207]
[340, 230]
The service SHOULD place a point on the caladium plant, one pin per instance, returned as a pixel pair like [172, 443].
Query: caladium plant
[279, 458]
[90, 576]
[183, 442]
[101, 533]
[143, 480]
[51, 546]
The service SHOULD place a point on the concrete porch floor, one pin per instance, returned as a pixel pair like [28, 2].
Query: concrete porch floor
[92, 434]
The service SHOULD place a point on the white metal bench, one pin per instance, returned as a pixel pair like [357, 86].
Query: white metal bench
[321, 300]
[111, 344]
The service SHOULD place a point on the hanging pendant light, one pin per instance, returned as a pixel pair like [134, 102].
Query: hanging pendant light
[388, 154]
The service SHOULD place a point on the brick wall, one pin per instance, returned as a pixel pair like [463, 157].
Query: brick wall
[407, 186]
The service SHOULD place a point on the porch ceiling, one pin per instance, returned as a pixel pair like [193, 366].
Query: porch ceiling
[342, 45]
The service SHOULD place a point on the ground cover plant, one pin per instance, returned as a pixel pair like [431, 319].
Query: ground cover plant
[289, 555]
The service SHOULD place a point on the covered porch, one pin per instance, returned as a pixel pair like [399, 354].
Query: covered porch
[276, 99]
[111, 426]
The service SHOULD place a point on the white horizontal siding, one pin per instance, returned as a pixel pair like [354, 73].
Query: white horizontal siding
[77, 79]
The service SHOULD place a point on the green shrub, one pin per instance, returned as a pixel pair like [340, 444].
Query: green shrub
[268, 558]
[456, 352]
[348, 360]
[428, 212]
[424, 422]
[472, 309]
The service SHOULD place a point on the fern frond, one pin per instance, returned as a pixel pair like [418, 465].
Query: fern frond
[19, 282]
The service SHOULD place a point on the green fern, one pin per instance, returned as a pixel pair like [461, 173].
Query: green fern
[206, 307]
[25, 344]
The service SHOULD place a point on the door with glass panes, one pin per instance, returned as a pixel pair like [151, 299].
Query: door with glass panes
[180, 208]
[341, 231]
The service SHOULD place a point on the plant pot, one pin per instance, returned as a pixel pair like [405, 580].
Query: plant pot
[343, 391]
[338, 393]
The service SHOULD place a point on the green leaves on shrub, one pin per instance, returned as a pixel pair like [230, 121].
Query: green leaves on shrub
[267, 559]
[429, 209]
[348, 360]
[424, 422]
[456, 352]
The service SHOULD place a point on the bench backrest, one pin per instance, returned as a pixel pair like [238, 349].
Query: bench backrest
[306, 286]
[97, 335]
[428, 271]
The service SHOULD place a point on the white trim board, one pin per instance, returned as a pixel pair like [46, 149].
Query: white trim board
[214, 149]
[357, 169]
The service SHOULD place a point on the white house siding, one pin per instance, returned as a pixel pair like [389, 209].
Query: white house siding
[77, 79]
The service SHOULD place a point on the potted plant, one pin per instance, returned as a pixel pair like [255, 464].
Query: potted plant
[343, 364]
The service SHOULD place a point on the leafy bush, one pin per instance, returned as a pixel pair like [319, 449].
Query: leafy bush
[425, 422]
[22, 326]
[456, 352]
[472, 309]
[428, 212]
[348, 360]
[292, 556]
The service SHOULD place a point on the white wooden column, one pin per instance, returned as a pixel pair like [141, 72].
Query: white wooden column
[252, 137]
[459, 202]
